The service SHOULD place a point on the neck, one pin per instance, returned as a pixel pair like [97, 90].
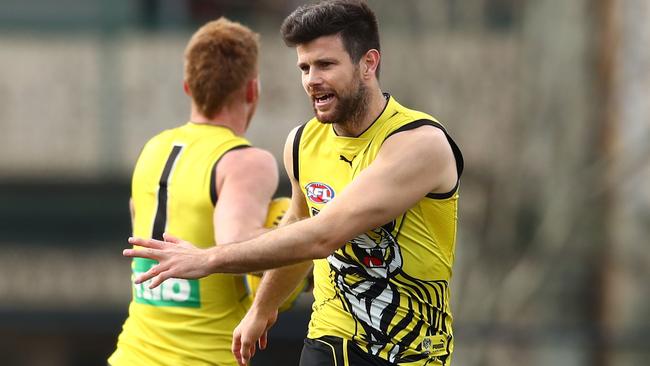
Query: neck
[354, 128]
[232, 117]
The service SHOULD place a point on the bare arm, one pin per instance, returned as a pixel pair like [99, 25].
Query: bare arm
[397, 179]
[246, 181]
[276, 284]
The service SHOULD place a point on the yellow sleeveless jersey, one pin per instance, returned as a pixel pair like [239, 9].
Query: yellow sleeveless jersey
[387, 289]
[182, 322]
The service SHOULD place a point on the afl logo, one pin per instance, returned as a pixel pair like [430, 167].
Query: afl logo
[319, 192]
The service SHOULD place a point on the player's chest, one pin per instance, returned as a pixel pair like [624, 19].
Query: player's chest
[324, 175]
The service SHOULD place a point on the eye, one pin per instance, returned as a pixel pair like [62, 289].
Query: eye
[304, 68]
[325, 64]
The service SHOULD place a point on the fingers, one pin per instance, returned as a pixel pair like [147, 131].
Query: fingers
[245, 350]
[263, 341]
[236, 345]
[158, 280]
[243, 354]
[157, 273]
[151, 251]
[142, 253]
[147, 243]
[153, 271]
[172, 239]
[242, 348]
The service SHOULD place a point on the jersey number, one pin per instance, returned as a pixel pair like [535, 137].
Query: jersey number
[174, 291]
[160, 220]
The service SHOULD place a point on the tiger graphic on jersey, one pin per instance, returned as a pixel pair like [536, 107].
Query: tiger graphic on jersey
[367, 273]
[386, 290]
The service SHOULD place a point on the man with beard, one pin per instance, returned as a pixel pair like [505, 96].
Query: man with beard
[374, 206]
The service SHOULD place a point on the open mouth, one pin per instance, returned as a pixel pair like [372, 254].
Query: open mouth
[323, 98]
[370, 261]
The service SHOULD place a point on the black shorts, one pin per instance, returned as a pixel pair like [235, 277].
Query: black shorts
[334, 351]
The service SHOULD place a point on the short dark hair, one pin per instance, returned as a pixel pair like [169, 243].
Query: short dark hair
[353, 20]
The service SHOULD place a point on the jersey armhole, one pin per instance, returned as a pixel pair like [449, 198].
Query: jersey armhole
[213, 173]
[296, 152]
[458, 155]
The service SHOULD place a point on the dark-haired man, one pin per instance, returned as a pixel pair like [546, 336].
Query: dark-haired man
[374, 194]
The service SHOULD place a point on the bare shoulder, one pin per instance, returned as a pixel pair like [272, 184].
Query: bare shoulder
[291, 136]
[423, 152]
[425, 138]
[251, 168]
[248, 159]
[288, 151]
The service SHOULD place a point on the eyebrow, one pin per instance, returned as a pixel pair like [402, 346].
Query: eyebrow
[329, 60]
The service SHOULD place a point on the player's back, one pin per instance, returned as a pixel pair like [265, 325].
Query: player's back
[173, 190]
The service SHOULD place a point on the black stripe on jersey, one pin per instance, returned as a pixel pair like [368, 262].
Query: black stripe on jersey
[422, 290]
[423, 309]
[407, 340]
[439, 288]
[442, 196]
[389, 313]
[438, 291]
[337, 295]
[403, 323]
[415, 124]
[401, 223]
[387, 97]
[160, 220]
[296, 151]
[458, 155]
[444, 358]
[213, 173]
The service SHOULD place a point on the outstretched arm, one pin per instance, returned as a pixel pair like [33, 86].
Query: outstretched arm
[246, 180]
[397, 179]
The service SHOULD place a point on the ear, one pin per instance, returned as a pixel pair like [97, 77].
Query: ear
[186, 88]
[370, 63]
[252, 90]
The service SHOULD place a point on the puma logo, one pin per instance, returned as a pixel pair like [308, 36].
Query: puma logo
[346, 160]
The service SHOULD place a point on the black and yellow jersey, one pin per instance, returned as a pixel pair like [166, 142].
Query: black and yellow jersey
[387, 290]
[181, 322]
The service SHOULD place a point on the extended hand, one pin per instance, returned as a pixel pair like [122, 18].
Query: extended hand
[252, 329]
[176, 258]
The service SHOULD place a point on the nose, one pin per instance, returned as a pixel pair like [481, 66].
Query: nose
[313, 79]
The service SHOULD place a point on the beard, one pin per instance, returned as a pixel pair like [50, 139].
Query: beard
[350, 108]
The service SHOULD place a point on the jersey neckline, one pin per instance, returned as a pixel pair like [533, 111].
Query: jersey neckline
[383, 116]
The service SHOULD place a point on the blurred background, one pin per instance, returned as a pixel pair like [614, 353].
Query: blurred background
[549, 100]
